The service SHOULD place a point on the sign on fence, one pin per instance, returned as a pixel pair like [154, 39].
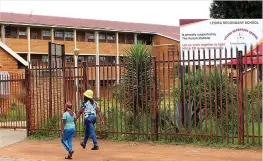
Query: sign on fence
[216, 34]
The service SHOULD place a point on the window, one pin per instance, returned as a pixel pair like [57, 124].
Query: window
[102, 59]
[14, 33]
[81, 59]
[80, 36]
[33, 35]
[10, 32]
[45, 58]
[90, 36]
[145, 39]
[4, 84]
[111, 38]
[68, 34]
[34, 62]
[102, 37]
[69, 59]
[22, 32]
[59, 35]
[91, 59]
[46, 33]
[121, 38]
[107, 59]
[129, 38]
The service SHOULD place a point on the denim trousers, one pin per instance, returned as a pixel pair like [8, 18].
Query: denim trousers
[67, 137]
[90, 130]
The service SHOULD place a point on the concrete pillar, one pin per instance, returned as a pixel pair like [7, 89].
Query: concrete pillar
[76, 65]
[118, 58]
[135, 38]
[52, 35]
[75, 37]
[29, 47]
[3, 33]
[97, 80]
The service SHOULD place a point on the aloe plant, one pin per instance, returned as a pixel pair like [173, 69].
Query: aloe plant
[135, 91]
[174, 117]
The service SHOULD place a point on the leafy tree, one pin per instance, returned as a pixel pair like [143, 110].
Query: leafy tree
[236, 9]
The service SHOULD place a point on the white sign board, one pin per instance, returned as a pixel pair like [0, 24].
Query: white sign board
[214, 36]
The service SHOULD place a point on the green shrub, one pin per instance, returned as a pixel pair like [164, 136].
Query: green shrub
[49, 129]
[216, 84]
[16, 112]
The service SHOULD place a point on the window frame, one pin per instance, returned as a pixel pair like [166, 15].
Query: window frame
[103, 40]
[68, 35]
[90, 36]
[60, 33]
[113, 40]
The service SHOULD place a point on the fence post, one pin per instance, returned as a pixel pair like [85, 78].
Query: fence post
[64, 73]
[85, 76]
[155, 99]
[50, 78]
[28, 99]
[240, 99]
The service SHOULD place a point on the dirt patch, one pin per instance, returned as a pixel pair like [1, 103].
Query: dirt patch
[126, 151]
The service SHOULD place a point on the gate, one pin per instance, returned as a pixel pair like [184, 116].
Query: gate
[13, 100]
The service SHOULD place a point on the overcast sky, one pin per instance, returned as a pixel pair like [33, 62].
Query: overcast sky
[156, 12]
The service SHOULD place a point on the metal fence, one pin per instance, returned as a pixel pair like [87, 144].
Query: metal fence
[13, 100]
[215, 97]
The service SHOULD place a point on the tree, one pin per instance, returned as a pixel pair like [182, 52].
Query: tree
[236, 9]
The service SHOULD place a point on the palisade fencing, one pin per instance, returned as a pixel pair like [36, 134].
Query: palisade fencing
[13, 100]
[214, 96]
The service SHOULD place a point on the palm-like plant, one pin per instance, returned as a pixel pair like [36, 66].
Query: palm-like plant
[135, 91]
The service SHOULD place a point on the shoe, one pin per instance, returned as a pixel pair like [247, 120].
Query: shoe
[95, 147]
[70, 153]
[83, 145]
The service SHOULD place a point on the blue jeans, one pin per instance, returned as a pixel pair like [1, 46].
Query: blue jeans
[90, 130]
[66, 139]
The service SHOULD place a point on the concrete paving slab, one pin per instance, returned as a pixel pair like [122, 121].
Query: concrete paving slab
[10, 136]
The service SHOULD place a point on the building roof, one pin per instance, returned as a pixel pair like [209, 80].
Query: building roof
[171, 32]
[14, 54]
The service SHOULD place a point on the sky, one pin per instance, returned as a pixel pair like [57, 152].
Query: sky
[154, 12]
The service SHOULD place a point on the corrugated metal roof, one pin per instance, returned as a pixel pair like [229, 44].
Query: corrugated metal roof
[172, 32]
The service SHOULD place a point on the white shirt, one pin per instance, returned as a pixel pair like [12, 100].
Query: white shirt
[89, 108]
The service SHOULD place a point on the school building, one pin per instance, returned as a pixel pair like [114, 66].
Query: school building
[27, 37]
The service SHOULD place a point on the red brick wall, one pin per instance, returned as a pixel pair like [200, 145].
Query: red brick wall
[7, 62]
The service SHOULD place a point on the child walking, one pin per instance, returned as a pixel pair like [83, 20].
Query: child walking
[68, 129]
[90, 109]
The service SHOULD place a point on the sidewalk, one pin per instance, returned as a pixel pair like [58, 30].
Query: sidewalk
[10, 136]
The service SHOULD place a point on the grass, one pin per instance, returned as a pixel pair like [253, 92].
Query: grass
[16, 113]
[116, 117]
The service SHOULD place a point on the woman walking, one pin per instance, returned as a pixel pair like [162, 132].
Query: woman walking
[90, 109]
[68, 129]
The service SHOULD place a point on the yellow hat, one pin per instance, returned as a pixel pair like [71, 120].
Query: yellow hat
[88, 93]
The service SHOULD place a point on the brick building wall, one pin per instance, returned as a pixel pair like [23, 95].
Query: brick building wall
[8, 62]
